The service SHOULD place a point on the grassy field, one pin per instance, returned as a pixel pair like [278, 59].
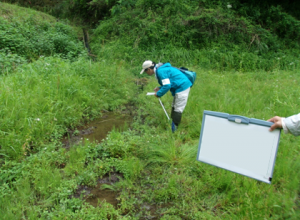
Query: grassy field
[159, 168]
[49, 86]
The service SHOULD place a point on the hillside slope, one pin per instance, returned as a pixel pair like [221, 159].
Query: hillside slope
[217, 31]
[25, 35]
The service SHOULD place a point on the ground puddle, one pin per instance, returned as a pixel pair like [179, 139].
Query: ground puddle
[96, 195]
[96, 131]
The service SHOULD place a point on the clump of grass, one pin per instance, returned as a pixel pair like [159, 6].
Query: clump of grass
[171, 154]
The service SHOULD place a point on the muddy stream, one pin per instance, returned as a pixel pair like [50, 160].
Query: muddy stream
[96, 131]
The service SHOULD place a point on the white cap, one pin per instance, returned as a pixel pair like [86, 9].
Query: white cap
[146, 64]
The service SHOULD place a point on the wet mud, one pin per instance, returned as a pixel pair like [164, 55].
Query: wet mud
[141, 83]
[96, 130]
[96, 195]
[153, 212]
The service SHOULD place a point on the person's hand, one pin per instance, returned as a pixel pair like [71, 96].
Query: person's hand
[156, 95]
[277, 123]
[156, 89]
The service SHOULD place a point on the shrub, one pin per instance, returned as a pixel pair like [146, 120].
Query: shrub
[9, 61]
[31, 39]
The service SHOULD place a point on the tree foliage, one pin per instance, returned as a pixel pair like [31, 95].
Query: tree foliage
[222, 30]
[195, 24]
[214, 34]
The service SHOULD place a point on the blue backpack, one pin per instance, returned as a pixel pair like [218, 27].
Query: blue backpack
[189, 74]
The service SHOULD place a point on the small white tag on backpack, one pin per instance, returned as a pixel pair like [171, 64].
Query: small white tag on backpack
[165, 81]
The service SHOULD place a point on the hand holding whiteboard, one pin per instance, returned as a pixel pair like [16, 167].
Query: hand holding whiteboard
[238, 144]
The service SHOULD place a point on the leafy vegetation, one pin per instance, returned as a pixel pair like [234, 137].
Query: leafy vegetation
[215, 35]
[27, 38]
[247, 63]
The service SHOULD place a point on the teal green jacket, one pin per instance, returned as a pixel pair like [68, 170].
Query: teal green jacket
[171, 79]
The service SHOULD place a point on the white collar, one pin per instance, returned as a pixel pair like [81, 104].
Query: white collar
[156, 67]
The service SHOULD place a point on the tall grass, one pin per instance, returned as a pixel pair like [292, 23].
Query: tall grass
[42, 99]
[213, 58]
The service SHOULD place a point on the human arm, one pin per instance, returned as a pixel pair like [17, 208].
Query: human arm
[290, 124]
[164, 75]
[164, 89]
[293, 124]
[165, 83]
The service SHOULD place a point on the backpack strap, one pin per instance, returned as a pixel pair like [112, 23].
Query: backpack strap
[181, 69]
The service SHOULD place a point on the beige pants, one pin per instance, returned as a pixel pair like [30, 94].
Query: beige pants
[180, 100]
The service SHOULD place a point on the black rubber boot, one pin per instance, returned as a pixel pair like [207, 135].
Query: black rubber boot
[172, 112]
[176, 117]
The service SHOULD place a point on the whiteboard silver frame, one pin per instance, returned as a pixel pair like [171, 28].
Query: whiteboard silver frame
[243, 121]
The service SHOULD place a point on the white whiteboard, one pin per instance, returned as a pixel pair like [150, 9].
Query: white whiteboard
[248, 149]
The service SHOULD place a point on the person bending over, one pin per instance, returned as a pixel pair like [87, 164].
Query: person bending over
[170, 78]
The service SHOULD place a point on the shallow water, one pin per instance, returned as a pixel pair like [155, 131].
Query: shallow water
[106, 123]
[95, 195]
[99, 195]
[96, 130]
